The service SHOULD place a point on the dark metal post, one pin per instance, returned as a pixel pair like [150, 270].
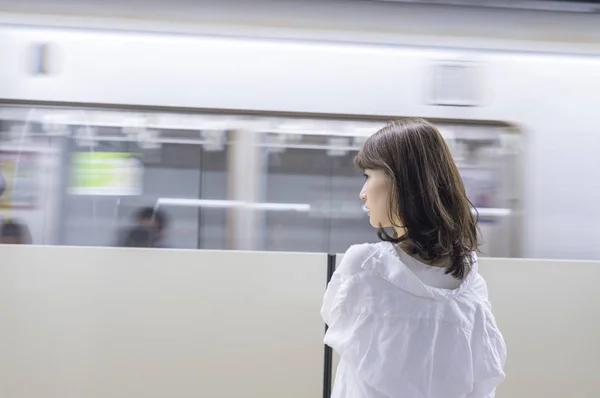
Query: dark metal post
[328, 360]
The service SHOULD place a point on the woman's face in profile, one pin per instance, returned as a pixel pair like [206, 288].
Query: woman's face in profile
[376, 193]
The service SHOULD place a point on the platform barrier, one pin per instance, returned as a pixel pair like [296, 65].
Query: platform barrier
[108, 322]
[126, 323]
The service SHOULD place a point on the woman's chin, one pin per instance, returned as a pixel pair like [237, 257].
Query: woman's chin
[373, 223]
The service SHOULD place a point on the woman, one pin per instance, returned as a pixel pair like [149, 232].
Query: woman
[409, 316]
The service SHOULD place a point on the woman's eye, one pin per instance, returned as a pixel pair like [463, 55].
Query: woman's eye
[366, 176]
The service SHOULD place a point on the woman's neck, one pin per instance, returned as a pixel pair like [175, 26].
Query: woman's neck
[404, 246]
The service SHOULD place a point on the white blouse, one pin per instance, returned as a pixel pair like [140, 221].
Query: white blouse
[404, 329]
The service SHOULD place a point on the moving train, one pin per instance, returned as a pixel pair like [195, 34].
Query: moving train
[247, 144]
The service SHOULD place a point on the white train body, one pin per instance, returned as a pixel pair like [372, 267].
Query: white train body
[549, 100]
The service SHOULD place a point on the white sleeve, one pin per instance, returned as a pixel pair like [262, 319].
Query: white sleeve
[350, 264]
[489, 358]
[330, 294]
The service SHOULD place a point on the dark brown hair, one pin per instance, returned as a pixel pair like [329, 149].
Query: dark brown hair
[427, 195]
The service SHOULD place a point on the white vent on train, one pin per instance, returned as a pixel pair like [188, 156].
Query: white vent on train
[456, 83]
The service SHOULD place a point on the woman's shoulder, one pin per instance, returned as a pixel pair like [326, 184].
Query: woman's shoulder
[363, 251]
[357, 255]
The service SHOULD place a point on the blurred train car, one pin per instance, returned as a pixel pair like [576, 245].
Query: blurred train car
[248, 144]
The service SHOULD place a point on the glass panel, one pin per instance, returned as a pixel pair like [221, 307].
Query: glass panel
[349, 222]
[169, 171]
[29, 171]
[213, 185]
[299, 176]
[96, 170]
[315, 170]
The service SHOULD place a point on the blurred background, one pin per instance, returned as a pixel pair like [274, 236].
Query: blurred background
[233, 124]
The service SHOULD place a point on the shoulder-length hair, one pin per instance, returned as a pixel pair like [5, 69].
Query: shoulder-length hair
[428, 196]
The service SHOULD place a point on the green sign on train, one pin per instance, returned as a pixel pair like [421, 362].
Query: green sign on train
[106, 173]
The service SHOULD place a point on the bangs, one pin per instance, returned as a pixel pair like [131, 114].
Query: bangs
[368, 156]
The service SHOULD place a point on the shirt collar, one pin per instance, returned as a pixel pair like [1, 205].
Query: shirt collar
[386, 264]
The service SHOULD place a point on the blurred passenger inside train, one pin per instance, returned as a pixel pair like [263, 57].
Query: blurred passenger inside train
[409, 316]
[14, 233]
[149, 231]
[2, 184]
[139, 237]
[156, 221]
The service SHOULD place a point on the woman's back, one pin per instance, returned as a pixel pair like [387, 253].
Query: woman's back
[400, 337]
[410, 316]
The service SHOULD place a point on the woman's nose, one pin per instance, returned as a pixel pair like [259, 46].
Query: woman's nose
[362, 195]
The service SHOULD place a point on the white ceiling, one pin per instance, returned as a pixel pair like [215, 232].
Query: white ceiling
[352, 20]
[191, 9]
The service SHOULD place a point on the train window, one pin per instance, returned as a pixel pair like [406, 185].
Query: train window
[316, 171]
[297, 176]
[29, 170]
[110, 166]
[349, 222]
[80, 176]
[176, 171]
[311, 165]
